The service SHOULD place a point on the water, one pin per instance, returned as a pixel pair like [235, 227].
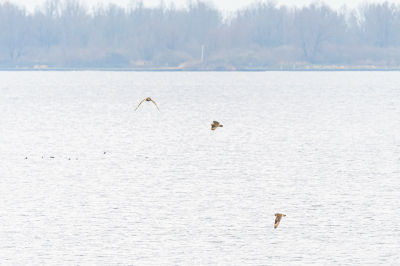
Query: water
[321, 147]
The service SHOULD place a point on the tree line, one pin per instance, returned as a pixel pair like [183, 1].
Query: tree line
[69, 34]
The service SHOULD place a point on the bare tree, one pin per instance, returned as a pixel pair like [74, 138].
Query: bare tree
[379, 24]
[46, 24]
[200, 18]
[75, 23]
[265, 22]
[316, 24]
[14, 31]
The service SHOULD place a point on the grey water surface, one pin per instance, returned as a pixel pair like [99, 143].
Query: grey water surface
[321, 147]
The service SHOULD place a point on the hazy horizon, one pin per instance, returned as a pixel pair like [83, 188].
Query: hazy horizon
[67, 34]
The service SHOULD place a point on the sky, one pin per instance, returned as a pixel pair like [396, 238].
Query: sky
[223, 5]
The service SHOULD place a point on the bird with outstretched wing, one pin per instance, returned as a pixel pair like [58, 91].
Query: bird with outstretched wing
[148, 99]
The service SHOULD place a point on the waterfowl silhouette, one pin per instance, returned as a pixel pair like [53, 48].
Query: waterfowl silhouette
[278, 219]
[148, 99]
[215, 124]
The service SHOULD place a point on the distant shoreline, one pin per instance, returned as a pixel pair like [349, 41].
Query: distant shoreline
[65, 35]
[183, 70]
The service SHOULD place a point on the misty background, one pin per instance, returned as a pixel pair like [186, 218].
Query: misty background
[263, 35]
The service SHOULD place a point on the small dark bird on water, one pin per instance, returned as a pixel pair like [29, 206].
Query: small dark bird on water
[148, 99]
[278, 219]
[51, 157]
[104, 152]
[69, 159]
[26, 157]
[215, 124]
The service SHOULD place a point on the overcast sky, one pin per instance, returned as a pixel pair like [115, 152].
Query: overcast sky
[227, 5]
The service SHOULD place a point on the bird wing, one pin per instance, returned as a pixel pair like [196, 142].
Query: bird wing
[277, 220]
[213, 126]
[139, 104]
[216, 123]
[156, 105]
[276, 225]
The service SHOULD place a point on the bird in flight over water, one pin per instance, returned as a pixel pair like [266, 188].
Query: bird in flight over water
[278, 219]
[148, 99]
[215, 124]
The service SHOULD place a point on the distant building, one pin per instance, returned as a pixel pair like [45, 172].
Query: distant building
[40, 66]
[138, 62]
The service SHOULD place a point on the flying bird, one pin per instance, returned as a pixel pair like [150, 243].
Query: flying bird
[148, 99]
[278, 219]
[215, 124]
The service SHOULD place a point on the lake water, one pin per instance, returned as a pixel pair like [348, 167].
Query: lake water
[321, 147]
